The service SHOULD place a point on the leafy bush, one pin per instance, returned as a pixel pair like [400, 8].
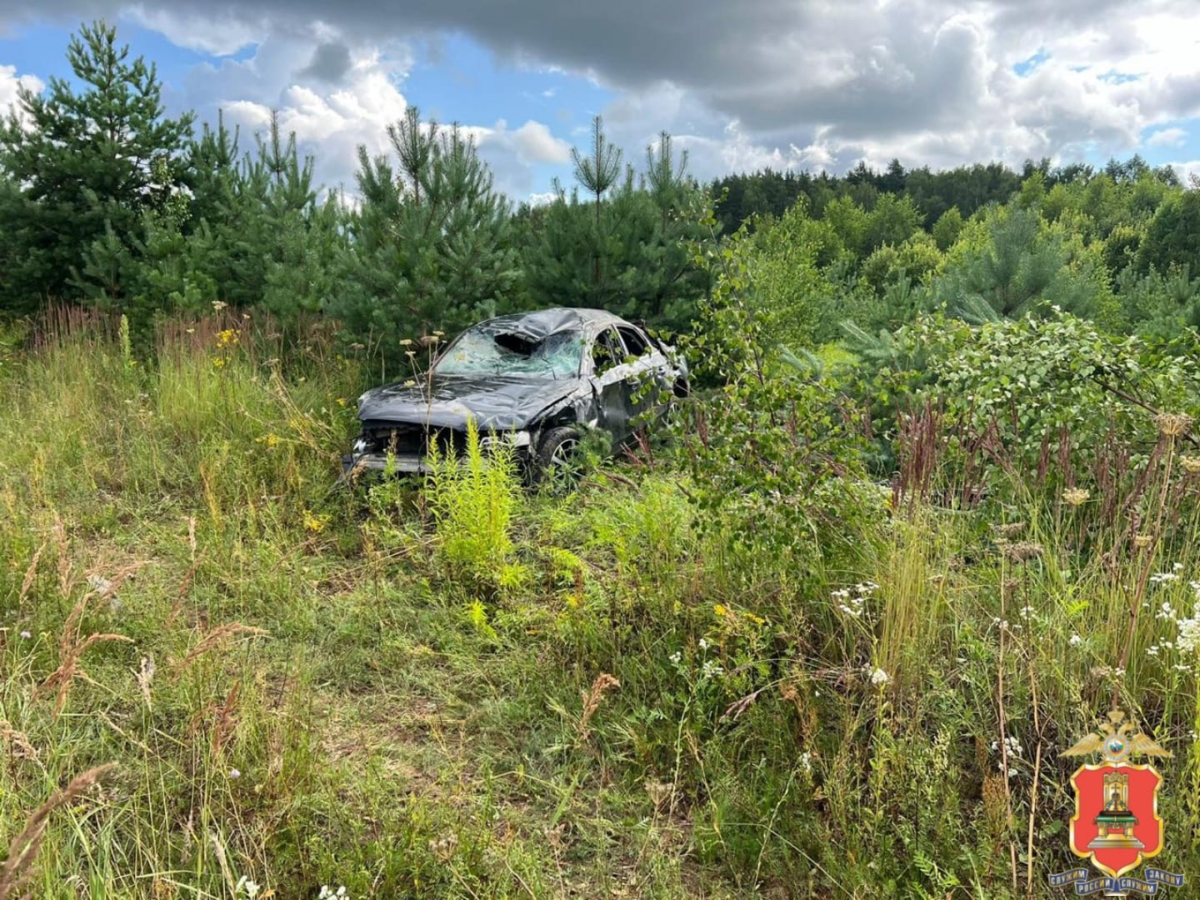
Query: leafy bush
[473, 499]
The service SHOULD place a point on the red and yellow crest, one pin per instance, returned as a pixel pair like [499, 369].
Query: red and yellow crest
[1116, 823]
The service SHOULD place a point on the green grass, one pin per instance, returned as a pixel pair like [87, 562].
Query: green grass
[404, 692]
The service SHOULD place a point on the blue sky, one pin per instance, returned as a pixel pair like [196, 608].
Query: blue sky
[451, 78]
[740, 88]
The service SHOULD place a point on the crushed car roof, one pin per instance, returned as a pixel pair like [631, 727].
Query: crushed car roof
[545, 322]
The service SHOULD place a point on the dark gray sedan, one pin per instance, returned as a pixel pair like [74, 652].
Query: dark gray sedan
[534, 381]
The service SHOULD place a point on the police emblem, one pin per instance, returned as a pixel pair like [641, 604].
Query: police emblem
[1116, 823]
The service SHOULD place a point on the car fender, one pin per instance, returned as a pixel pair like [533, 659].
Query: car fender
[580, 407]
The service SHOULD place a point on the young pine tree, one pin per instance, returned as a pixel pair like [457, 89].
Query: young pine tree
[431, 246]
[83, 164]
[596, 174]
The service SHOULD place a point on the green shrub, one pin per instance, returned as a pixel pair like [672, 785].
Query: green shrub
[473, 499]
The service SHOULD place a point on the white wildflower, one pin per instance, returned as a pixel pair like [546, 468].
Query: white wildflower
[1012, 744]
[1075, 640]
[712, 669]
[1188, 639]
[879, 677]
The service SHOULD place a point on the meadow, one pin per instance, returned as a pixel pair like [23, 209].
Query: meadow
[462, 689]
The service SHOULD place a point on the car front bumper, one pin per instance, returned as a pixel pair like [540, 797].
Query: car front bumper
[383, 462]
[402, 464]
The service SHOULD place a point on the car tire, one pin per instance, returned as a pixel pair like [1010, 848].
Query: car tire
[556, 463]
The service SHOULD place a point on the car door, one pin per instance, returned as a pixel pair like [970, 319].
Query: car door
[612, 376]
[649, 374]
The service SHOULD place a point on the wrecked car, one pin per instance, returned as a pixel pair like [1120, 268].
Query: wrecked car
[534, 381]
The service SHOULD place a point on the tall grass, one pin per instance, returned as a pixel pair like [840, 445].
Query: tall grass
[457, 689]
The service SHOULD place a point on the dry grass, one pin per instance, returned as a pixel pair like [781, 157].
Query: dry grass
[17, 870]
[72, 645]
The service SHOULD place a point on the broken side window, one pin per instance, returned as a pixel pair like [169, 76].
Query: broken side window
[635, 344]
[608, 351]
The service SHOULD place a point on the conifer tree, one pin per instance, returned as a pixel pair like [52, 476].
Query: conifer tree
[431, 245]
[629, 252]
[597, 173]
[83, 164]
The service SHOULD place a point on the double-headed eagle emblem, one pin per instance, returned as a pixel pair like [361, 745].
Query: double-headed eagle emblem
[1116, 741]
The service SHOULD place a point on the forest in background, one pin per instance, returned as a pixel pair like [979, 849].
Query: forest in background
[930, 511]
[107, 202]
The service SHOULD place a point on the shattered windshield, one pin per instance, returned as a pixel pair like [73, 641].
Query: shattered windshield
[483, 351]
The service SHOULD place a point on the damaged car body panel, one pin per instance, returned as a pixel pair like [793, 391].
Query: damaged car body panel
[525, 380]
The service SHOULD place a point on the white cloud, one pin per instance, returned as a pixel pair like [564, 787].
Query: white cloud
[332, 108]
[778, 82]
[10, 81]
[1187, 171]
[336, 100]
[193, 29]
[918, 81]
[1167, 137]
[513, 154]
[535, 144]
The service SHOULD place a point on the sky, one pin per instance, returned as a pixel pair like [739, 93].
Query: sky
[741, 85]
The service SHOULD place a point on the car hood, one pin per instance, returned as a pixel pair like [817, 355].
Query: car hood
[496, 402]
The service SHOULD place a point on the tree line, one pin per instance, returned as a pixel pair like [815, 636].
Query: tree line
[107, 201]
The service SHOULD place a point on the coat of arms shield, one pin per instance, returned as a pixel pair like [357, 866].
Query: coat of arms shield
[1116, 823]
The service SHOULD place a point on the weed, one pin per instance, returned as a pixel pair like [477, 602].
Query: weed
[423, 701]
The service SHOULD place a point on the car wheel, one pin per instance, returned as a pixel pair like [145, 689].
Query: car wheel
[557, 465]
